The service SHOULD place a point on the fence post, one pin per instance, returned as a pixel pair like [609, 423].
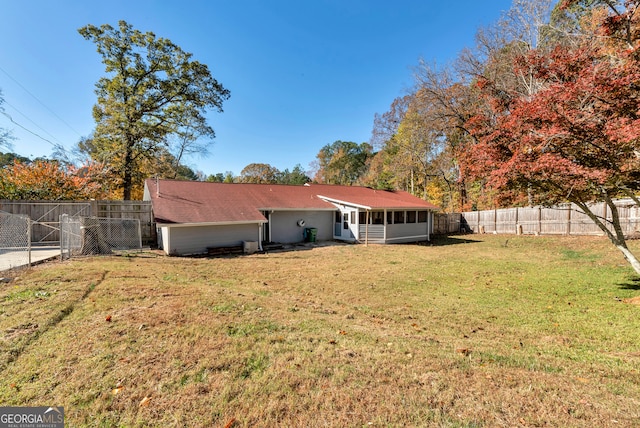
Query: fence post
[495, 220]
[604, 214]
[517, 228]
[569, 219]
[539, 220]
[29, 223]
[93, 208]
[63, 237]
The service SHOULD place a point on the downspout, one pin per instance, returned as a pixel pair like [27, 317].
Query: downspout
[260, 236]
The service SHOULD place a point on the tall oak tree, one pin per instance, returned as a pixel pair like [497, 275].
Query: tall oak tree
[153, 89]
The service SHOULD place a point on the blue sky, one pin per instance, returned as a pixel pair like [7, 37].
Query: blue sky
[302, 74]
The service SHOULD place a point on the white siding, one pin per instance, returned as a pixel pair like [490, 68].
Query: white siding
[285, 229]
[374, 234]
[409, 232]
[163, 237]
[196, 239]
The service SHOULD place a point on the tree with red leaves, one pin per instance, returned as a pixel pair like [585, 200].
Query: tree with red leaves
[51, 180]
[577, 138]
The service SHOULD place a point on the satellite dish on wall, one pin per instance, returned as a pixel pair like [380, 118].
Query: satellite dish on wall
[301, 223]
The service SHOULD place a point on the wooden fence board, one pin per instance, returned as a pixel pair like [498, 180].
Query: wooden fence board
[565, 219]
[46, 215]
[446, 223]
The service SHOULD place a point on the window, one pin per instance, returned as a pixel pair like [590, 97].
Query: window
[353, 217]
[398, 217]
[377, 217]
[422, 216]
[338, 217]
[362, 217]
[345, 223]
[411, 216]
[389, 217]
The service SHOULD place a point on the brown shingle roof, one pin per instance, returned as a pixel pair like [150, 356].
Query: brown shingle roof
[204, 202]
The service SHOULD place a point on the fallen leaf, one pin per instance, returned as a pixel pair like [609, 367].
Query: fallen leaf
[108, 318]
[463, 351]
[231, 422]
[342, 332]
[145, 402]
[116, 390]
[332, 342]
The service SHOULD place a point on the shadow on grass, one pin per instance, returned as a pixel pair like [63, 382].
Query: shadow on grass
[630, 284]
[441, 241]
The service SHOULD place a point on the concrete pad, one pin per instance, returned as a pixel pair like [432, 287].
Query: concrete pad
[11, 258]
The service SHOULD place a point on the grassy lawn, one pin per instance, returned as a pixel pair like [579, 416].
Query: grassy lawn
[475, 331]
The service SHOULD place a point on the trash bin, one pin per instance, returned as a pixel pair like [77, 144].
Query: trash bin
[313, 232]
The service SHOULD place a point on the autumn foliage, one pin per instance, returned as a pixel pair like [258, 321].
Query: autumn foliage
[576, 137]
[50, 180]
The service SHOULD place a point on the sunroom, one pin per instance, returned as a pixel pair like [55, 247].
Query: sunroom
[382, 225]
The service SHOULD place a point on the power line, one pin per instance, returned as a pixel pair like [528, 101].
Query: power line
[26, 117]
[41, 103]
[28, 130]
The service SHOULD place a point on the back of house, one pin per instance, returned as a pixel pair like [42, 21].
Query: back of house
[193, 217]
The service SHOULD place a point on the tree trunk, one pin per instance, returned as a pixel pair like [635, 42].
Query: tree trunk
[93, 239]
[127, 179]
[633, 261]
[617, 238]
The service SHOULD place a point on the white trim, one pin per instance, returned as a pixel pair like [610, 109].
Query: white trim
[407, 237]
[384, 222]
[221, 223]
[297, 209]
[338, 201]
[366, 207]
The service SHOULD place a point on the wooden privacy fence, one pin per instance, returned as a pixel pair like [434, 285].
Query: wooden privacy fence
[565, 219]
[446, 223]
[45, 215]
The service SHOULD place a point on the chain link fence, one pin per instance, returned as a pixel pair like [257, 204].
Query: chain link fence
[86, 236]
[15, 240]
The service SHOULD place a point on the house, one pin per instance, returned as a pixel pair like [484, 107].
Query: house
[193, 216]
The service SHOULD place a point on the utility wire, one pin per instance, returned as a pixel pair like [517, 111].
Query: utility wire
[28, 130]
[41, 103]
[26, 117]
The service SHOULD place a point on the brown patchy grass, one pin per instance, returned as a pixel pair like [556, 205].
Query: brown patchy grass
[478, 331]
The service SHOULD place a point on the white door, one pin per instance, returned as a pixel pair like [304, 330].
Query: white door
[346, 224]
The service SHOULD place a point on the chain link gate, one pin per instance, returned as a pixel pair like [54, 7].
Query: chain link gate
[85, 236]
[15, 239]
